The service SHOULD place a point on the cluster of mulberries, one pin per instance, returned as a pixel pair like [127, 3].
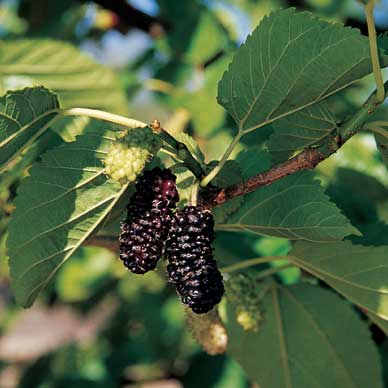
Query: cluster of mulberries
[151, 227]
[146, 226]
[127, 157]
[192, 268]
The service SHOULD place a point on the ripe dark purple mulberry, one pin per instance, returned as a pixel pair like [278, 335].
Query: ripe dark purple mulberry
[145, 229]
[192, 268]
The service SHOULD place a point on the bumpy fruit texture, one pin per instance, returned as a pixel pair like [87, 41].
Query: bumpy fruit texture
[145, 229]
[127, 158]
[192, 268]
[208, 331]
[243, 292]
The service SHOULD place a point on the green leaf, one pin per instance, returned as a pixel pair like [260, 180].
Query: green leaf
[382, 42]
[191, 145]
[309, 338]
[184, 181]
[24, 116]
[358, 272]
[78, 80]
[300, 130]
[290, 62]
[295, 208]
[63, 202]
[253, 162]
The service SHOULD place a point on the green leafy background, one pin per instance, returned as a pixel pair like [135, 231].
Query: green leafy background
[291, 84]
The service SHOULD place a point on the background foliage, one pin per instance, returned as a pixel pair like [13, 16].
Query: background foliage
[96, 325]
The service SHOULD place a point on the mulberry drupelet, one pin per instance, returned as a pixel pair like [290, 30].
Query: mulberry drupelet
[146, 226]
[192, 267]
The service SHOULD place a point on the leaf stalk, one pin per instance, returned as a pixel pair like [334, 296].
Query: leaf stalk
[380, 92]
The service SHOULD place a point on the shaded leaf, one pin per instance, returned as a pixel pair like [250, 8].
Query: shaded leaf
[382, 41]
[253, 162]
[274, 74]
[191, 145]
[306, 340]
[64, 201]
[357, 272]
[77, 79]
[295, 208]
[300, 130]
[24, 116]
[184, 181]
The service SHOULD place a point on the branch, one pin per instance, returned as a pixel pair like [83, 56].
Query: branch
[182, 151]
[130, 17]
[309, 158]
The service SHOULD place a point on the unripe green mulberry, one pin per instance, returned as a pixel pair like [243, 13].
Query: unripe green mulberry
[128, 156]
[243, 292]
[208, 330]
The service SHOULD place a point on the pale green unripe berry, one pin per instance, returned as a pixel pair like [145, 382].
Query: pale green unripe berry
[128, 156]
[208, 330]
[243, 292]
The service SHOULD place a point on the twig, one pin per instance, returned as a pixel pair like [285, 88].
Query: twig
[309, 158]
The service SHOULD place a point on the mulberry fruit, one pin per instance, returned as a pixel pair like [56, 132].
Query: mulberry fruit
[244, 292]
[145, 229]
[192, 268]
[208, 331]
[128, 156]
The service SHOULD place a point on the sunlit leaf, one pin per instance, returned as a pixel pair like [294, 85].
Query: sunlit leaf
[61, 67]
[24, 116]
[64, 201]
[290, 62]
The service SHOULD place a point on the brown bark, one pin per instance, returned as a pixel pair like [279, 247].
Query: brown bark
[307, 159]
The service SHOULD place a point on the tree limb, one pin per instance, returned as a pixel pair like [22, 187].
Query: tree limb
[309, 158]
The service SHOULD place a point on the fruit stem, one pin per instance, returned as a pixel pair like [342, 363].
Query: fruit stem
[251, 262]
[213, 173]
[194, 193]
[272, 271]
[380, 92]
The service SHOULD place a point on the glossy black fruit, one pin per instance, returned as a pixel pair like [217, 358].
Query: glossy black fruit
[145, 229]
[192, 267]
